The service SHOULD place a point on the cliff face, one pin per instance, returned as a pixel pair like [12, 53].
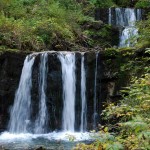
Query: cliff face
[108, 85]
[10, 69]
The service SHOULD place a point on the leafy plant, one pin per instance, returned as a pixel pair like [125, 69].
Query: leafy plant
[143, 4]
[102, 3]
[144, 33]
[37, 25]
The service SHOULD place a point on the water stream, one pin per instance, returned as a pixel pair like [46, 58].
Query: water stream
[95, 93]
[83, 125]
[20, 113]
[125, 19]
[27, 133]
[69, 81]
[41, 121]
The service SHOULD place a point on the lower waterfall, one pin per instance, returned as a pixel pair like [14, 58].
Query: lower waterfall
[68, 77]
[41, 121]
[83, 96]
[20, 113]
[32, 111]
[95, 94]
[64, 81]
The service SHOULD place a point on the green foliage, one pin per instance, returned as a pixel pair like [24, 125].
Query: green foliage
[39, 24]
[103, 141]
[133, 114]
[143, 4]
[101, 35]
[144, 33]
[122, 3]
[130, 119]
[102, 3]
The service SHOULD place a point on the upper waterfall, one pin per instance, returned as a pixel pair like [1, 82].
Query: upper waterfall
[126, 19]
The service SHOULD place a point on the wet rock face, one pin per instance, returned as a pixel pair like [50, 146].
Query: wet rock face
[102, 14]
[10, 70]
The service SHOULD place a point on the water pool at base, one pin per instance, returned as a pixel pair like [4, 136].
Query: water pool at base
[50, 141]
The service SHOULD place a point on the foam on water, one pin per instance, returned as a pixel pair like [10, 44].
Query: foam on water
[61, 136]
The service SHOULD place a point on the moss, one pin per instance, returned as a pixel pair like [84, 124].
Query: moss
[5, 49]
[111, 52]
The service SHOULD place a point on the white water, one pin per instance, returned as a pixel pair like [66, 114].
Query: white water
[83, 97]
[139, 15]
[20, 113]
[41, 121]
[119, 17]
[126, 18]
[109, 19]
[95, 93]
[69, 88]
[64, 136]
[127, 35]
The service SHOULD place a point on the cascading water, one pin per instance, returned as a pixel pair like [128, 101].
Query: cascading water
[69, 81]
[119, 17]
[128, 34]
[41, 121]
[83, 97]
[20, 113]
[95, 94]
[126, 37]
[109, 19]
[139, 14]
[21, 125]
[126, 19]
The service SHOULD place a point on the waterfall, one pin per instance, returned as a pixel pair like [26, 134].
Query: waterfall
[128, 34]
[20, 113]
[83, 97]
[139, 14]
[126, 19]
[69, 82]
[40, 123]
[95, 94]
[126, 37]
[126, 16]
[119, 17]
[109, 19]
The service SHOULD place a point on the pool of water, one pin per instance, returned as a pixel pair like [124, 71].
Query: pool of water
[50, 141]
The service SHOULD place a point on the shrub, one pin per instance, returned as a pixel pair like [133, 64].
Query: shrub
[143, 4]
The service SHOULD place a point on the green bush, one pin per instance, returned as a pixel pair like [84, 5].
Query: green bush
[122, 3]
[102, 3]
[143, 4]
[39, 24]
[144, 32]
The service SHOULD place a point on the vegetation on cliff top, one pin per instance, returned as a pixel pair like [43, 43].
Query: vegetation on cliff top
[39, 24]
[54, 24]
